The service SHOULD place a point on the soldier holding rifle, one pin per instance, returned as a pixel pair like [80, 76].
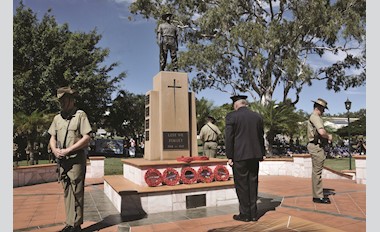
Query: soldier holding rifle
[70, 135]
[318, 139]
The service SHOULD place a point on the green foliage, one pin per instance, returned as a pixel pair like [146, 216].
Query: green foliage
[205, 107]
[127, 114]
[279, 119]
[257, 46]
[47, 56]
[32, 126]
[355, 128]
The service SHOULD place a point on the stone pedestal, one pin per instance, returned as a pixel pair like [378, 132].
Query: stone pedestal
[170, 118]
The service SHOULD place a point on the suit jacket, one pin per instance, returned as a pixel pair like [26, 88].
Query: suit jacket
[244, 135]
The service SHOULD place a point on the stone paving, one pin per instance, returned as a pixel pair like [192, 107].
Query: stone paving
[285, 204]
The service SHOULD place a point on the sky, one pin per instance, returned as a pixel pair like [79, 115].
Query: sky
[132, 44]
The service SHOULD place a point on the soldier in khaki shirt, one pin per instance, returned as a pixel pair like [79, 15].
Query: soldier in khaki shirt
[167, 37]
[69, 132]
[318, 137]
[209, 135]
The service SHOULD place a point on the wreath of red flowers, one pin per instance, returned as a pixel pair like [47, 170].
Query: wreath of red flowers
[205, 174]
[185, 159]
[153, 177]
[189, 175]
[200, 158]
[221, 173]
[170, 176]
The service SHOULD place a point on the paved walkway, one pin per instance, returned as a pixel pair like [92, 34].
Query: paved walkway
[285, 204]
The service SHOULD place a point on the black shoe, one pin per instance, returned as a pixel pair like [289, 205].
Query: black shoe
[241, 218]
[67, 228]
[324, 200]
[76, 229]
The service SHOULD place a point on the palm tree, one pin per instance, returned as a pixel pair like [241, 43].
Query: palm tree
[278, 119]
[203, 109]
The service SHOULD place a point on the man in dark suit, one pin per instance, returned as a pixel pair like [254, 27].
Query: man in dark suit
[245, 149]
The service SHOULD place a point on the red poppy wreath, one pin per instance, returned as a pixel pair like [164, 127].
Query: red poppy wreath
[205, 174]
[221, 173]
[189, 175]
[153, 177]
[170, 176]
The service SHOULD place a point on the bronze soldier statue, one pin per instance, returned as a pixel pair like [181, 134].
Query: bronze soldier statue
[167, 37]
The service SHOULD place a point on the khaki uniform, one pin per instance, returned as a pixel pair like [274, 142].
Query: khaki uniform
[167, 36]
[209, 135]
[317, 153]
[73, 166]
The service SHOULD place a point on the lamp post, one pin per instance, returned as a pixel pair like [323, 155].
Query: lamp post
[348, 107]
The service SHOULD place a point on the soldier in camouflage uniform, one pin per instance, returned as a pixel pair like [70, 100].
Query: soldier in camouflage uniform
[70, 135]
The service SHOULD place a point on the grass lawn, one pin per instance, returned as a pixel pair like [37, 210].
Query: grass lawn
[340, 164]
[114, 166]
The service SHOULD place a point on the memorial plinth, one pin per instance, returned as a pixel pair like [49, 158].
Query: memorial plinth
[170, 133]
[170, 118]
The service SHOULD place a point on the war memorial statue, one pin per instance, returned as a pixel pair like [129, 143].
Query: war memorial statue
[167, 37]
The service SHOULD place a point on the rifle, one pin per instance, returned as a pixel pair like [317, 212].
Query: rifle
[58, 161]
[160, 60]
[58, 144]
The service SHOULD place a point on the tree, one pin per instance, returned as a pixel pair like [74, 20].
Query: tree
[203, 108]
[259, 46]
[355, 128]
[279, 119]
[127, 114]
[47, 56]
[31, 127]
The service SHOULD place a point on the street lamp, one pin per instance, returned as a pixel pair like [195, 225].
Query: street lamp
[348, 107]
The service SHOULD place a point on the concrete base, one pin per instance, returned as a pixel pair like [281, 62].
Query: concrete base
[130, 194]
[137, 202]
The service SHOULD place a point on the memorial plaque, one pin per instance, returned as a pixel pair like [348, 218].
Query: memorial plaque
[147, 124]
[176, 140]
[147, 99]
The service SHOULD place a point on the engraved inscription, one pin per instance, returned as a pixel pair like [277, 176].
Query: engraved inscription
[176, 140]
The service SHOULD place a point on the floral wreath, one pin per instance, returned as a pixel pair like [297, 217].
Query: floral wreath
[200, 158]
[185, 159]
[153, 177]
[170, 176]
[188, 159]
[189, 175]
[205, 174]
[221, 173]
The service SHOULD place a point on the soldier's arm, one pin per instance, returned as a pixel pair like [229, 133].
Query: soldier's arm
[323, 133]
[83, 142]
